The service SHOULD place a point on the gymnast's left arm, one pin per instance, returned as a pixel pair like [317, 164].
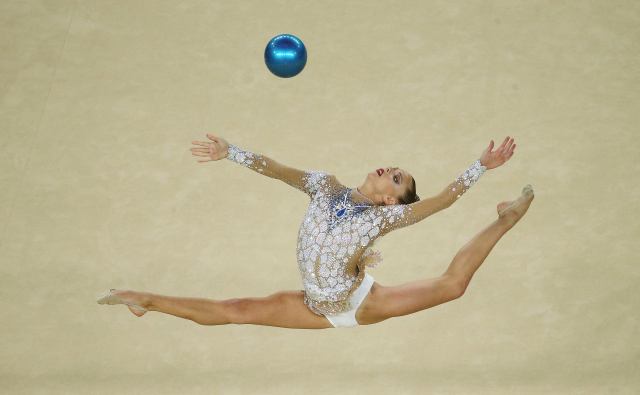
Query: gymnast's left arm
[397, 216]
[489, 159]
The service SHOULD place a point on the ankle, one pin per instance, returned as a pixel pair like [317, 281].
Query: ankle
[506, 222]
[146, 300]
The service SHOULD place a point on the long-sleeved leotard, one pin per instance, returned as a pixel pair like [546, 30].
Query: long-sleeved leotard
[337, 231]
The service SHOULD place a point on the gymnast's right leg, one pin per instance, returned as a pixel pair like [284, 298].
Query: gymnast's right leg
[284, 309]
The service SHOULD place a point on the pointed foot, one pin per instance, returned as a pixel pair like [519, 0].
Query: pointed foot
[512, 211]
[135, 301]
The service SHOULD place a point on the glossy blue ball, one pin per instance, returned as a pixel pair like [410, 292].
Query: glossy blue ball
[285, 55]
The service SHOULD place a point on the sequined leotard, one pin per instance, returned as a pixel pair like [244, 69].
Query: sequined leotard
[336, 234]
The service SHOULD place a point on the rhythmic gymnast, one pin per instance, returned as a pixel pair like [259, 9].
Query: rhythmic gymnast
[334, 247]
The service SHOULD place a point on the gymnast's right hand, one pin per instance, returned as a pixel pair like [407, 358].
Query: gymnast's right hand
[216, 149]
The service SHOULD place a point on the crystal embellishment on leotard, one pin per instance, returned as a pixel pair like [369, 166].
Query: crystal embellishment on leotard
[245, 158]
[310, 182]
[332, 251]
[371, 257]
[336, 235]
[469, 177]
[346, 207]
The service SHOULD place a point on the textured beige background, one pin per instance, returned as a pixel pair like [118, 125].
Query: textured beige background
[101, 99]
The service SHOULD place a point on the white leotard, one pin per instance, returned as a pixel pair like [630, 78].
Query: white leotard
[336, 231]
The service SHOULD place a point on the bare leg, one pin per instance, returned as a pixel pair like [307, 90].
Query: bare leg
[199, 310]
[283, 309]
[414, 296]
[194, 309]
[287, 309]
[469, 258]
[473, 253]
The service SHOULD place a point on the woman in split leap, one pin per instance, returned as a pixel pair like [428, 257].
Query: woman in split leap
[334, 247]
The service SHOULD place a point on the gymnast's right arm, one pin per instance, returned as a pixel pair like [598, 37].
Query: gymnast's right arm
[219, 148]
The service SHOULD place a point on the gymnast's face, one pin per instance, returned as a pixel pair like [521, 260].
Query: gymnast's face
[386, 185]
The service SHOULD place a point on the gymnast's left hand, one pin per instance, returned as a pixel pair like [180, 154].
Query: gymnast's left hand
[492, 159]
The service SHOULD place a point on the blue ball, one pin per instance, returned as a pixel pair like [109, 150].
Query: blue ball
[285, 55]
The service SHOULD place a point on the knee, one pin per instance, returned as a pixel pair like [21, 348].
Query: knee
[458, 286]
[254, 310]
[237, 310]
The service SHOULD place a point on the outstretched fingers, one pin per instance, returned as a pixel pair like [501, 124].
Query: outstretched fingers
[202, 149]
[504, 143]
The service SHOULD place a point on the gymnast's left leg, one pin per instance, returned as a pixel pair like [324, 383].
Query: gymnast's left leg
[284, 309]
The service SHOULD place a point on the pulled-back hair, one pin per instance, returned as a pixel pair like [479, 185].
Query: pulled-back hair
[410, 196]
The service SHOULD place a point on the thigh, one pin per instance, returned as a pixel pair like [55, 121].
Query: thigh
[384, 302]
[284, 309]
